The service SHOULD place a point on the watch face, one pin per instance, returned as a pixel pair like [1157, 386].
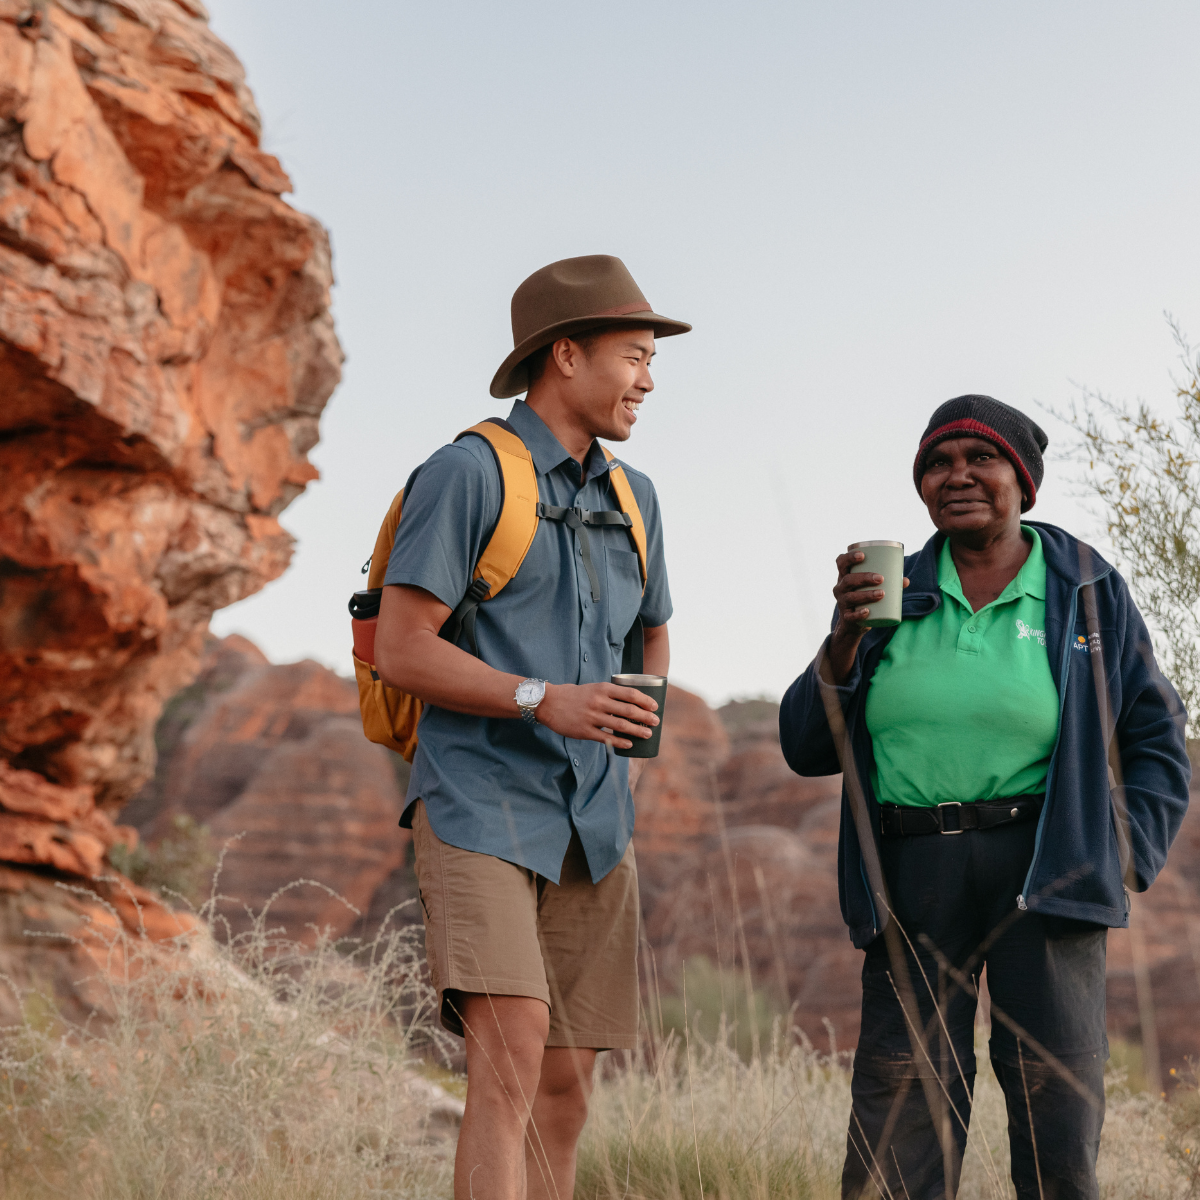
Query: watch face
[530, 691]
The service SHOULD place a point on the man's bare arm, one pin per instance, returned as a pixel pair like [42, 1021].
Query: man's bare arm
[410, 655]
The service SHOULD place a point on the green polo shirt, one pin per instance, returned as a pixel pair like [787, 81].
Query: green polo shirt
[962, 705]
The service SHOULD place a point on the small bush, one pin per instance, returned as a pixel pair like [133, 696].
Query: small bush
[179, 865]
[720, 1009]
[1183, 1140]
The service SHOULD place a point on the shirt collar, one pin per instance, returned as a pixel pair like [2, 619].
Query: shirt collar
[1032, 575]
[1030, 580]
[547, 451]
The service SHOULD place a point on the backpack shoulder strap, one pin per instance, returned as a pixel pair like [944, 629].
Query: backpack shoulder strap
[381, 555]
[629, 506]
[518, 520]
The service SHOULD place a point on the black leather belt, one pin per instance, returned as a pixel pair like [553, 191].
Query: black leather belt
[904, 820]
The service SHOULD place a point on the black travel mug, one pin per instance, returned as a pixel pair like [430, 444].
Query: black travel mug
[652, 685]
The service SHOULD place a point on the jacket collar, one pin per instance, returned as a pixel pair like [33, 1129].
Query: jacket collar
[1073, 561]
[1067, 557]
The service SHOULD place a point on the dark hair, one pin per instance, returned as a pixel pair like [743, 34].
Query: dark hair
[536, 363]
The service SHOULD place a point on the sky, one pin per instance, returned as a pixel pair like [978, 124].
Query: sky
[864, 208]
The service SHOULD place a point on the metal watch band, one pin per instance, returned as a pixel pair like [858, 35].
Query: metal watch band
[529, 711]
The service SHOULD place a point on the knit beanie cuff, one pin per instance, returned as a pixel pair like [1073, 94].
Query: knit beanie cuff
[970, 427]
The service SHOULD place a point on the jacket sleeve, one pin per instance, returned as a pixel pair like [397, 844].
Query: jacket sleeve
[804, 733]
[1150, 729]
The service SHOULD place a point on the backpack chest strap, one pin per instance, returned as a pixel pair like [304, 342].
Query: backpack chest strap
[579, 519]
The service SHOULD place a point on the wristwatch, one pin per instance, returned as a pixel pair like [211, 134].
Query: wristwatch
[529, 694]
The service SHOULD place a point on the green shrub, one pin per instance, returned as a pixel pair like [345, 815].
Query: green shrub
[180, 864]
[720, 1008]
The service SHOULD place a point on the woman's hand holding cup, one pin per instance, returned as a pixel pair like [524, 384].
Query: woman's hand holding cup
[854, 591]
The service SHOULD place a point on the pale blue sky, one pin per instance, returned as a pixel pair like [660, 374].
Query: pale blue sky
[864, 207]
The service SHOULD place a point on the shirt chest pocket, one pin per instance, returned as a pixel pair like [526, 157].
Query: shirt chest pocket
[624, 580]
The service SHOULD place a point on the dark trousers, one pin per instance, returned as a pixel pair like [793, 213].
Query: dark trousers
[955, 902]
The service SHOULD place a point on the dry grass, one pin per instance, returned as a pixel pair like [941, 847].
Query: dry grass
[776, 1127]
[249, 1069]
[259, 1070]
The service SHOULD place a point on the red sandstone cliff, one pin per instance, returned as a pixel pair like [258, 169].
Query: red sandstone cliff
[166, 350]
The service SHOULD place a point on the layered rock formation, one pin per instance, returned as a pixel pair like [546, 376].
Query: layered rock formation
[166, 350]
[273, 762]
[736, 855]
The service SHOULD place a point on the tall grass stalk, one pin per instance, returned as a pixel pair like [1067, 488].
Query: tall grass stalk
[255, 1069]
[775, 1127]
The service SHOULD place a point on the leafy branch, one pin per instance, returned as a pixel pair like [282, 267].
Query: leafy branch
[1145, 471]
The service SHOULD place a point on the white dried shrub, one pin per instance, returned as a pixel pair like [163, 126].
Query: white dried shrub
[250, 1066]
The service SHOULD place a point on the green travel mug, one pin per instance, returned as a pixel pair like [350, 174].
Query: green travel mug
[652, 685]
[886, 559]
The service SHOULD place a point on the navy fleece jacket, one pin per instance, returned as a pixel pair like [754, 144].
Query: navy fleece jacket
[1077, 866]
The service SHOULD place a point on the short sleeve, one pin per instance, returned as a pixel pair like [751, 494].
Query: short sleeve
[656, 600]
[448, 513]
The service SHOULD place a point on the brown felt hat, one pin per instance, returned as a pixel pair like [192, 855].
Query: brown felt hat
[569, 297]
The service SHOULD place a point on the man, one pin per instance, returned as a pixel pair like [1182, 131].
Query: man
[521, 813]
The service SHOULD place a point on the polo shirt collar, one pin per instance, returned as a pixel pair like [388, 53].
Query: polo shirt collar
[1030, 580]
[547, 451]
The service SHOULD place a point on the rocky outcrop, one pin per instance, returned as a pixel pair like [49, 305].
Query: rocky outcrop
[678, 806]
[62, 945]
[166, 350]
[736, 855]
[272, 760]
[1163, 945]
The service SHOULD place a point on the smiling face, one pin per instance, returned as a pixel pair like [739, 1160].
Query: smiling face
[606, 379]
[971, 489]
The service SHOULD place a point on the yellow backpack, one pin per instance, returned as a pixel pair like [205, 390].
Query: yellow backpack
[389, 715]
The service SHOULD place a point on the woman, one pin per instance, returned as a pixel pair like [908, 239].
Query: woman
[1018, 704]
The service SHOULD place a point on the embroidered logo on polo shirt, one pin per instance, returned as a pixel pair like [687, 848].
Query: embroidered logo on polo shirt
[1027, 631]
[1080, 643]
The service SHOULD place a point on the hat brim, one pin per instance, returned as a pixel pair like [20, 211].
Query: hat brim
[512, 379]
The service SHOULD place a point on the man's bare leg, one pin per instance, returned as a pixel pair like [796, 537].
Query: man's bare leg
[560, 1109]
[506, 1036]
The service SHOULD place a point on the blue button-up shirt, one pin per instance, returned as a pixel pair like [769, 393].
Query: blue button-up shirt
[505, 787]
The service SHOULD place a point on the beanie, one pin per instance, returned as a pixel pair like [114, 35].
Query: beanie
[1018, 438]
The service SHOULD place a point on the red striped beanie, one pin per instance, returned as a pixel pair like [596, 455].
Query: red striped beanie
[1018, 438]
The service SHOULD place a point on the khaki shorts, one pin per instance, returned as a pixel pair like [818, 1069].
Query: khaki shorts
[494, 927]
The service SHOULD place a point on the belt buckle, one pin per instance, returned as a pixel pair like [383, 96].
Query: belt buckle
[950, 804]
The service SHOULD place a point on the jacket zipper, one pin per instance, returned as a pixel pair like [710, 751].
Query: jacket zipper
[1064, 675]
[862, 862]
